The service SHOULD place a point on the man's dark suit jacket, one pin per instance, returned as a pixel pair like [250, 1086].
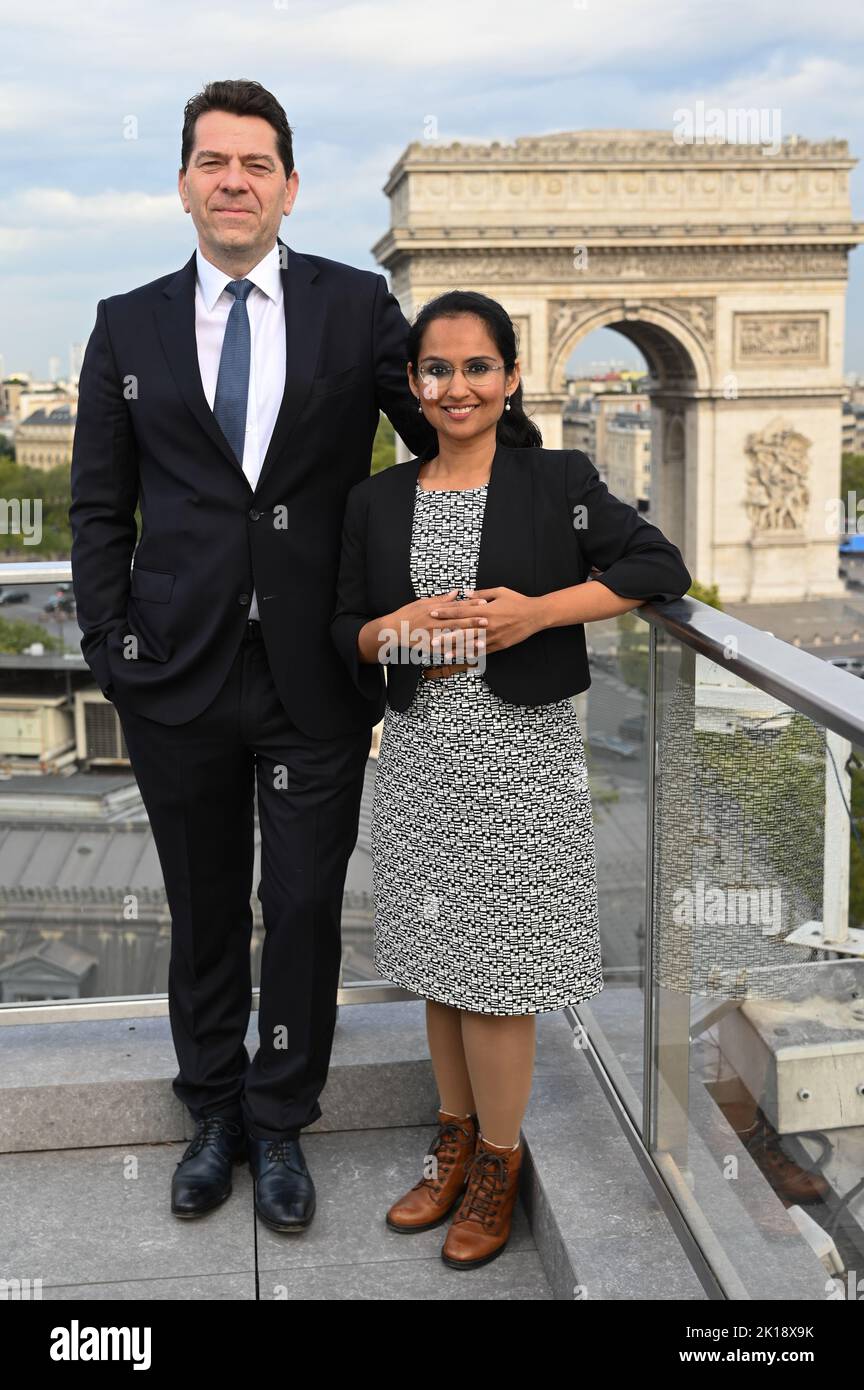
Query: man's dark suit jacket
[145, 432]
[549, 519]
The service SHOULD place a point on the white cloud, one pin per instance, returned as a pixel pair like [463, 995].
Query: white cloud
[93, 213]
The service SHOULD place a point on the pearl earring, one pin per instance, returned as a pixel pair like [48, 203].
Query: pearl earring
[506, 402]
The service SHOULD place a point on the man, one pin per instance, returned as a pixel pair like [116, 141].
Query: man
[237, 401]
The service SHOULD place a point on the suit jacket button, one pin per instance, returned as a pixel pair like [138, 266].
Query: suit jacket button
[253, 514]
[242, 598]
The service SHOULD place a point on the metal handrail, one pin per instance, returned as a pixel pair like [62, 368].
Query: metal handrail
[825, 693]
[36, 572]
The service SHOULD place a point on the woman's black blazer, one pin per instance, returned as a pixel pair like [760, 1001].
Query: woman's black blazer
[549, 519]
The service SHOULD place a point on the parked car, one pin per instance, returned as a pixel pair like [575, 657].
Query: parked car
[62, 603]
[604, 661]
[14, 596]
[634, 726]
[609, 743]
[853, 664]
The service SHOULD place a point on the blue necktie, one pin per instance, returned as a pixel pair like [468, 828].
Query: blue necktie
[232, 385]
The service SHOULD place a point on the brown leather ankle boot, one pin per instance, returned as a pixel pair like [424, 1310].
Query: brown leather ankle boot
[430, 1201]
[481, 1227]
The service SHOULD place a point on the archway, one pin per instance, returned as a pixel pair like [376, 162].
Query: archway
[679, 375]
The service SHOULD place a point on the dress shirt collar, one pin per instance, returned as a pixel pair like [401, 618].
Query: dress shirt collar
[266, 275]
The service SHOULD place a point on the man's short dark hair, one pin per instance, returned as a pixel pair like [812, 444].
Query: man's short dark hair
[242, 97]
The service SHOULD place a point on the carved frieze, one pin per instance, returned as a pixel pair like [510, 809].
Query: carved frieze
[454, 267]
[776, 338]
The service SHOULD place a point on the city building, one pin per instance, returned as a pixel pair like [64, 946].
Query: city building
[44, 439]
[585, 424]
[628, 457]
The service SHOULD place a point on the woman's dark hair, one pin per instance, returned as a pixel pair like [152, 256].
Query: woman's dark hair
[242, 97]
[514, 429]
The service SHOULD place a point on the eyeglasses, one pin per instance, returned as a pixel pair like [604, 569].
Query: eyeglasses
[438, 375]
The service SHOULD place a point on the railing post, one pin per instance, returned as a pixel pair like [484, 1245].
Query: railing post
[648, 1051]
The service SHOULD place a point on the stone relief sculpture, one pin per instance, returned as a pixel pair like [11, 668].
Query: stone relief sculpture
[781, 337]
[778, 497]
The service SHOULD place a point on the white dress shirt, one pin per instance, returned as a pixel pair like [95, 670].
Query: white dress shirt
[266, 310]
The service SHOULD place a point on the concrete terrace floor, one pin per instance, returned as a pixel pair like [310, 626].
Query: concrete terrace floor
[92, 1133]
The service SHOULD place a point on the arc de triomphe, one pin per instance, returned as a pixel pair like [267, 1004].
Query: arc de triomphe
[724, 264]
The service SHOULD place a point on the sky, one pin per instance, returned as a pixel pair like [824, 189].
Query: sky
[87, 212]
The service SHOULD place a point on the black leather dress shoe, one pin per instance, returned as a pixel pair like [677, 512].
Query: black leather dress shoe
[284, 1190]
[202, 1178]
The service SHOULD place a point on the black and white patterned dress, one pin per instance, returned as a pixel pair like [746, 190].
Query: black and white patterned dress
[482, 835]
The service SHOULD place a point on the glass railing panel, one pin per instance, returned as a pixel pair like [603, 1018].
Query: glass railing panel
[84, 915]
[756, 1037]
[614, 720]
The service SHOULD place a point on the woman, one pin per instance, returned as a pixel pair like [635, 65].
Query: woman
[465, 573]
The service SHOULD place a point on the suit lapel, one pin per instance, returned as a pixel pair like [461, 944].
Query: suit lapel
[506, 555]
[304, 325]
[175, 321]
[304, 320]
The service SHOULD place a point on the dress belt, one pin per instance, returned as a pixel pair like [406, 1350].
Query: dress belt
[437, 672]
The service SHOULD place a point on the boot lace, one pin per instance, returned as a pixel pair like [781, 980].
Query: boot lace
[487, 1173]
[444, 1148]
[281, 1151]
[208, 1131]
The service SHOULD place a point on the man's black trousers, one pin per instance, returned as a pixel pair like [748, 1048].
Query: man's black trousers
[198, 782]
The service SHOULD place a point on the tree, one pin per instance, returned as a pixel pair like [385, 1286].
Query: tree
[15, 636]
[705, 593]
[384, 445]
